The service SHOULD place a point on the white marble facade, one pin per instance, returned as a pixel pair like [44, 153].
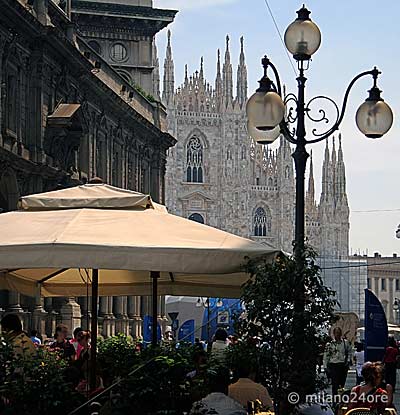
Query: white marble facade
[216, 174]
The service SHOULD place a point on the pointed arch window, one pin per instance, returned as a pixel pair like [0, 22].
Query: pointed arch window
[244, 152]
[229, 153]
[194, 161]
[261, 222]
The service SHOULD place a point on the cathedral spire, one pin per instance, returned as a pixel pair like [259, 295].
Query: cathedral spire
[241, 87]
[202, 68]
[325, 176]
[332, 171]
[169, 82]
[310, 198]
[227, 77]
[218, 81]
[341, 175]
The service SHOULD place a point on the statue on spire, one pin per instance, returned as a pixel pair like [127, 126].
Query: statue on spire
[241, 86]
[227, 77]
[169, 77]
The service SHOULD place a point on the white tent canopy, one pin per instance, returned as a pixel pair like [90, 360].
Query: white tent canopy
[57, 236]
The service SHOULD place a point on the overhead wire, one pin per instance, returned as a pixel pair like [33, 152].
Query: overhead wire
[280, 35]
[376, 210]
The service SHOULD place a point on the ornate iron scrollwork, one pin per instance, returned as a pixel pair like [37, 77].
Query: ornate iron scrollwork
[322, 117]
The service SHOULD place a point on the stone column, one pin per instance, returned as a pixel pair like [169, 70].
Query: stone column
[159, 316]
[86, 307]
[2, 85]
[71, 314]
[39, 315]
[135, 321]
[155, 174]
[163, 312]
[51, 320]
[41, 8]
[119, 309]
[106, 318]
[14, 300]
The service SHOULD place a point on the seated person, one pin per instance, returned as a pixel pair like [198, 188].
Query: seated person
[217, 402]
[83, 362]
[200, 363]
[61, 344]
[11, 327]
[246, 389]
[370, 394]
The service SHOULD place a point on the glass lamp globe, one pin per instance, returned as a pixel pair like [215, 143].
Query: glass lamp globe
[374, 118]
[302, 37]
[396, 305]
[265, 110]
[263, 137]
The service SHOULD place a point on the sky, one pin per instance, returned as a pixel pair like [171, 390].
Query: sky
[356, 36]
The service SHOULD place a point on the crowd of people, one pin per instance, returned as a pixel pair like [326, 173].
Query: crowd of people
[376, 381]
[75, 351]
[232, 388]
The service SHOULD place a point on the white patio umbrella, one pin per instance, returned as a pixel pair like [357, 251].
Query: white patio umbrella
[56, 237]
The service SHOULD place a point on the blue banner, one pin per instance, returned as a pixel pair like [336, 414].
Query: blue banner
[222, 312]
[186, 331]
[147, 329]
[376, 328]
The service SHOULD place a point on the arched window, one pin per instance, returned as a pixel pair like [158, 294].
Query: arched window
[119, 53]
[196, 217]
[287, 172]
[194, 161]
[261, 222]
[125, 75]
[229, 153]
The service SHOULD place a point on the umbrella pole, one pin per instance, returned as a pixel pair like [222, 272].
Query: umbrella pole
[93, 348]
[154, 338]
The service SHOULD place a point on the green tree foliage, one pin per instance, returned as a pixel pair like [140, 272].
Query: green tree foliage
[38, 385]
[116, 357]
[159, 386]
[269, 298]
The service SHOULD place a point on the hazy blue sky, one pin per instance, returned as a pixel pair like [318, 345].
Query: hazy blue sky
[356, 35]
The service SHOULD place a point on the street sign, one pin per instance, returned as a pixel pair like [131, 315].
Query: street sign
[175, 325]
[173, 315]
[223, 317]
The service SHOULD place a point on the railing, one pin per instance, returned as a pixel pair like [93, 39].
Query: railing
[260, 188]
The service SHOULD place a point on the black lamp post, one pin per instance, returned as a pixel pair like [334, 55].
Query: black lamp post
[270, 114]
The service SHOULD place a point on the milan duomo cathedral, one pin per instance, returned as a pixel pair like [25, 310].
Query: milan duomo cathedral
[217, 175]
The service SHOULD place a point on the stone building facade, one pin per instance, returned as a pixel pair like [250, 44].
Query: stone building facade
[384, 282]
[217, 175]
[68, 115]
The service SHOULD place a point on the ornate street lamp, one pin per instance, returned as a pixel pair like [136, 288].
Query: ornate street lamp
[268, 111]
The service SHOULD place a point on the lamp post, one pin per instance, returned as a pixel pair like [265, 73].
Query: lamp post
[270, 114]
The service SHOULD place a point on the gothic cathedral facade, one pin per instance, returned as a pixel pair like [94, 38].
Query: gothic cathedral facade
[218, 176]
